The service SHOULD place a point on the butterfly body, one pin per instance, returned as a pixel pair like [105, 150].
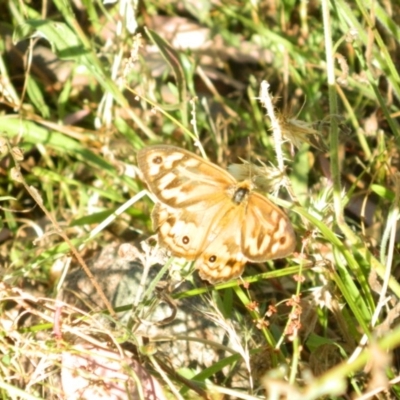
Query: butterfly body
[204, 214]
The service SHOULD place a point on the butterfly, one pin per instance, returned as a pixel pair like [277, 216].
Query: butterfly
[204, 214]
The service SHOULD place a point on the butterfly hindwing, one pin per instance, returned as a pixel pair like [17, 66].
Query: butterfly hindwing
[186, 232]
[222, 258]
[178, 231]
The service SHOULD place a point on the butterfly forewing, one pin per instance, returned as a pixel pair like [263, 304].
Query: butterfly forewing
[179, 178]
[266, 231]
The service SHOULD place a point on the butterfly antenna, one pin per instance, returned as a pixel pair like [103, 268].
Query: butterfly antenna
[249, 161]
